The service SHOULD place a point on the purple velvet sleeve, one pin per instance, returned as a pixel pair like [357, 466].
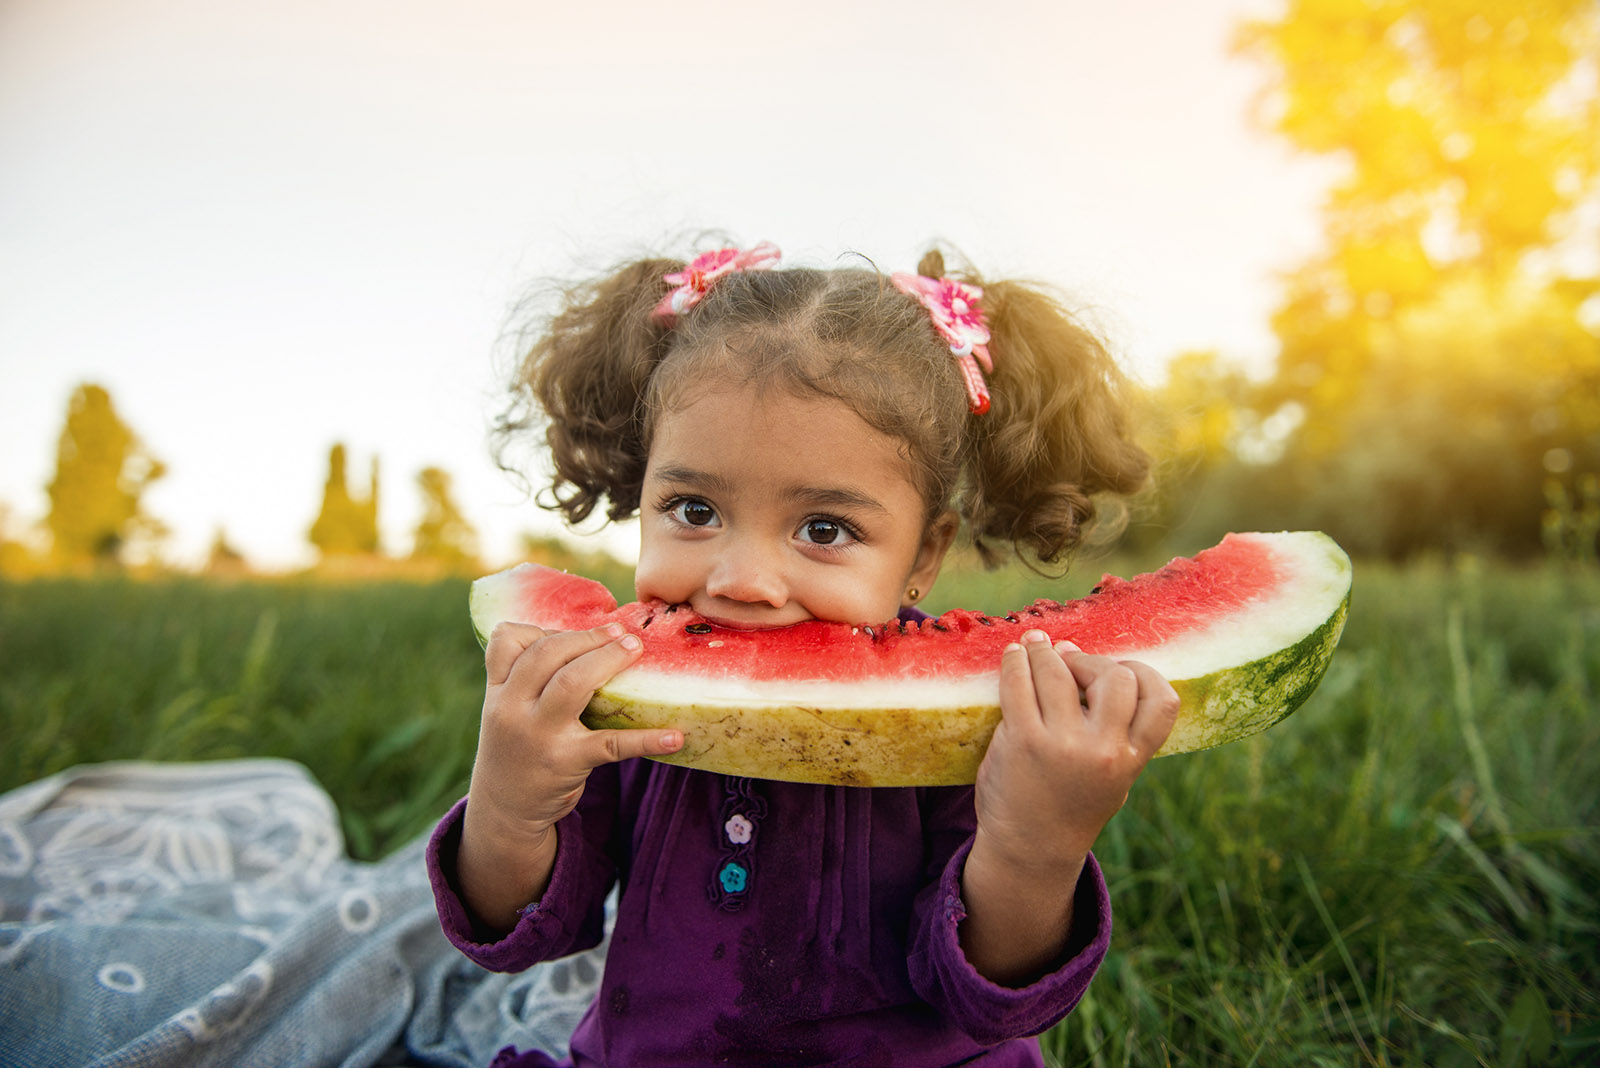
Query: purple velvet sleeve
[989, 1012]
[568, 918]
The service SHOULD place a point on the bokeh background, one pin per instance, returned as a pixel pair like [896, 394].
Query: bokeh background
[1353, 248]
[267, 231]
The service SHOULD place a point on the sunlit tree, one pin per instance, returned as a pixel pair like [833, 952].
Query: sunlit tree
[346, 525]
[443, 535]
[1215, 454]
[223, 558]
[17, 559]
[1442, 352]
[102, 472]
[1205, 403]
[1470, 135]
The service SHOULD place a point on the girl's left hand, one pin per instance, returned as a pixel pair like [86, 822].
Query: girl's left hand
[1075, 732]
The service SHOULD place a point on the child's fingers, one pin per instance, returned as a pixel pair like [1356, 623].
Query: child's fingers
[1054, 685]
[1018, 700]
[611, 746]
[563, 670]
[1110, 689]
[507, 642]
[1156, 710]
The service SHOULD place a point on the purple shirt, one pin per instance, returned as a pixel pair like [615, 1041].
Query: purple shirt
[774, 922]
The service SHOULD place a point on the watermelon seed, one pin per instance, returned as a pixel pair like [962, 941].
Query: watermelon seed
[940, 627]
[870, 634]
[986, 621]
[1035, 612]
[1011, 617]
[1094, 591]
[671, 608]
[697, 628]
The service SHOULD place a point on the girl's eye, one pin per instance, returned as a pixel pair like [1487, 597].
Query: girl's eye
[826, 532]
[694, 513]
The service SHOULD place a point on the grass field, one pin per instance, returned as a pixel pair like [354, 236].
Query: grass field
[1406, 872]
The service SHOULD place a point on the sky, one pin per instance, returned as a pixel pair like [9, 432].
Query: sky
[269, 228]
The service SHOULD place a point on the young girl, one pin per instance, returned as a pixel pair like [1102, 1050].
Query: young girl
[804, 444]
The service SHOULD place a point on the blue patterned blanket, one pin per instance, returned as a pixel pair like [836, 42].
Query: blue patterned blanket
[206, 914]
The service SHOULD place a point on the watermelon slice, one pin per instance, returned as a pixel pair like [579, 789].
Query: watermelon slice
[1244, 631]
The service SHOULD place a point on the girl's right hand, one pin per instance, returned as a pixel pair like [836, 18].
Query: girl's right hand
[535, 755]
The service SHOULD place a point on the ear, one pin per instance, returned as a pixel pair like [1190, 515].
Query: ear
[936, 541]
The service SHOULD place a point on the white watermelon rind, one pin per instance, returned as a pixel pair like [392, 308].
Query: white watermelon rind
[937, 731]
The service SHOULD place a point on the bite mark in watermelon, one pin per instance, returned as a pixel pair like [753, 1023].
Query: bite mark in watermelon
[1244, 631]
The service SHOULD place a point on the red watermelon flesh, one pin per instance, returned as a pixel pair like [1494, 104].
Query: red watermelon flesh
[1244, 630]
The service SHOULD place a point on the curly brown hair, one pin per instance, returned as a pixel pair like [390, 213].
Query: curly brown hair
[1025, 475]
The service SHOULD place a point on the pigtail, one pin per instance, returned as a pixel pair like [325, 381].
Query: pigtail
[1056, 441]
[584, 379]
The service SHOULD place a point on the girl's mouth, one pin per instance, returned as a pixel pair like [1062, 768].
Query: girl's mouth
[744, 624]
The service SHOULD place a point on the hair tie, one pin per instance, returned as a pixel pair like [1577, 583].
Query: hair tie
[953, 307]
[704, 271]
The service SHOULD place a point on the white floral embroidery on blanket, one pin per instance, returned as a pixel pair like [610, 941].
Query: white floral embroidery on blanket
[205, 915]
[118, 845]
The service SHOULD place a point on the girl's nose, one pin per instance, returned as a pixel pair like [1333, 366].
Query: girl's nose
[748, 573]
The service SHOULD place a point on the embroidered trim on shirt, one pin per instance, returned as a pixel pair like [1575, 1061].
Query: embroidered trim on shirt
[743, 809]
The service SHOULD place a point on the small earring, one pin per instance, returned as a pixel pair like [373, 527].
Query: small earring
[913, 593]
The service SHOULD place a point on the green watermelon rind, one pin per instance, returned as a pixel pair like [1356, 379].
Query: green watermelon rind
[1237, 702]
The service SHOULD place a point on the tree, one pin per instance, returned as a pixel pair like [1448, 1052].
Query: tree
[102, 472]
[223, 559]
[346, 525]
[1202, 422]
[1471, 134]
[17, 558]
[443, 535]
[1442, 348]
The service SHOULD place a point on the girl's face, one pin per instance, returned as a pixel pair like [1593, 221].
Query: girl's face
[762, 509]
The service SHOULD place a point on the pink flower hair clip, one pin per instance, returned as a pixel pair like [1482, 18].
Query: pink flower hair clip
[953, 307]
[704, 271]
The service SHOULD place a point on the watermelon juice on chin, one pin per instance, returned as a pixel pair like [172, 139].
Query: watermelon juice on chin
[1244, 631]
